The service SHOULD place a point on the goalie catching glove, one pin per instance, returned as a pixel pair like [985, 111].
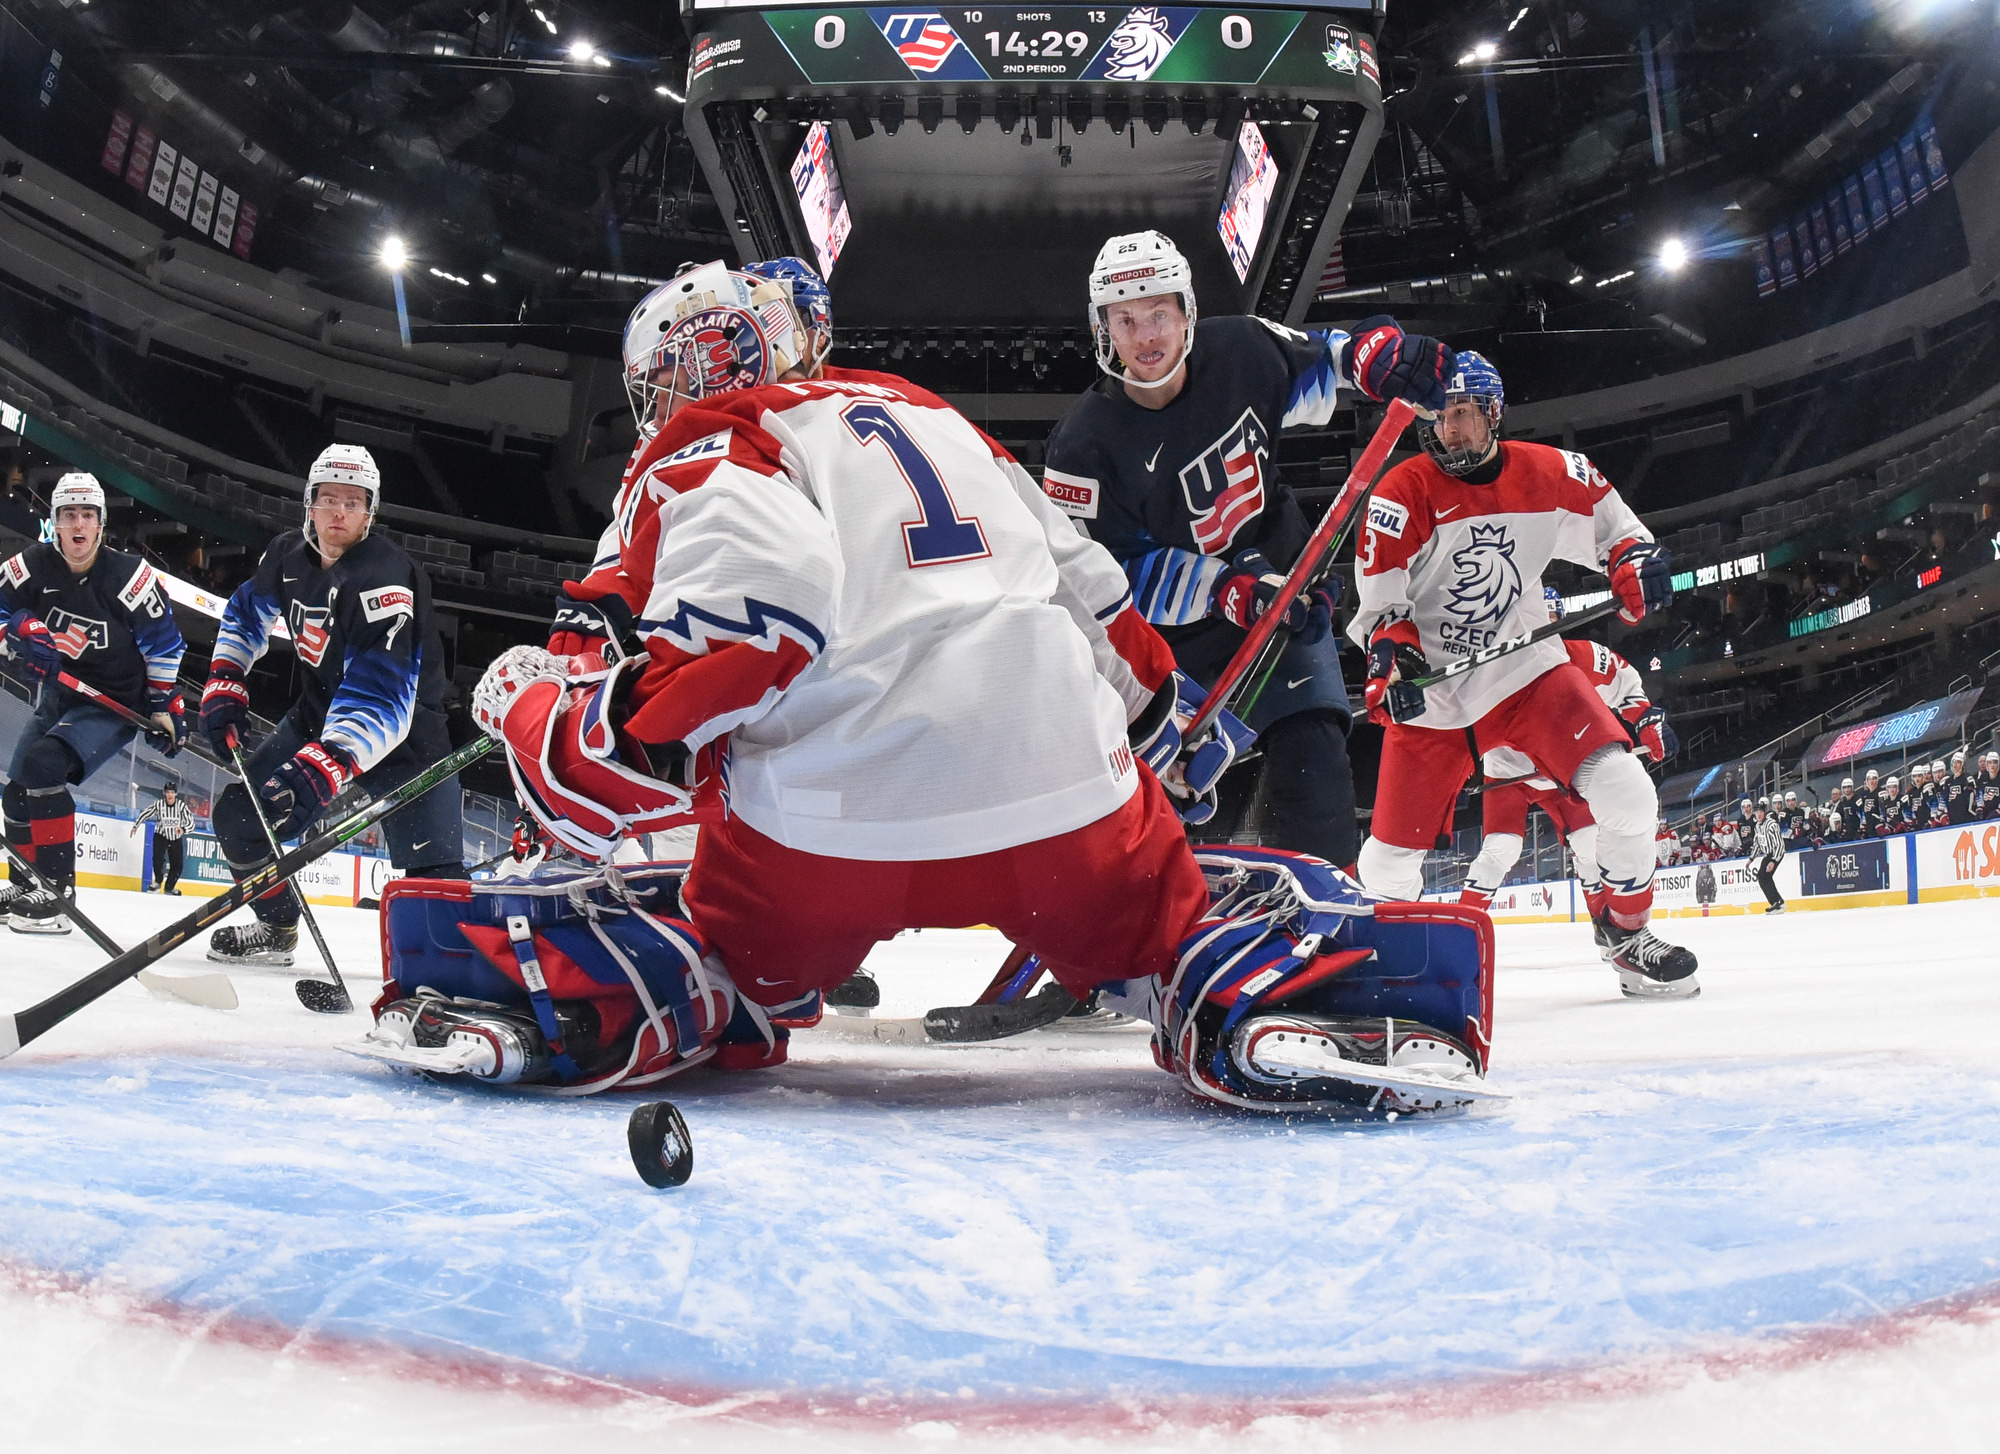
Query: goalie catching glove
[1189, 771]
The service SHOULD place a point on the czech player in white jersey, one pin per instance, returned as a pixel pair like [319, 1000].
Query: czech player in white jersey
[1450, 563]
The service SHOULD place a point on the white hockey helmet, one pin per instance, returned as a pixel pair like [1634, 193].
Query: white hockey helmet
[1138, 265]
[1847, 782]
[711, 331]
[1871, 773]
[343, 464]
[1791, 797]
[1891, 781]
[1958, 756]
[1918, 767]
[1937, 767]
[77, 488]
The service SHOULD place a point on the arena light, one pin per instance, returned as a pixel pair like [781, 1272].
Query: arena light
[1484, 51]
[669, 92]
[395, 256]
[582, 52]
[1673, 255]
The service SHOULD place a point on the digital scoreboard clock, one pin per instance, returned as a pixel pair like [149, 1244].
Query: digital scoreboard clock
[1136, 45]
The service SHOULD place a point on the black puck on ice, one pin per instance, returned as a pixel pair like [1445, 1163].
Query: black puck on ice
[662, 1149]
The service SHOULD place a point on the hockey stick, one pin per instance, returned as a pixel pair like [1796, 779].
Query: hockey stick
[1359, 479]
[145, 724]
[18, 1029]
[323, 999]
[958, 1024]
[1517, 643]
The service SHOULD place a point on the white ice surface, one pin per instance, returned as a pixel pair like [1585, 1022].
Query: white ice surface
[1761, 1219]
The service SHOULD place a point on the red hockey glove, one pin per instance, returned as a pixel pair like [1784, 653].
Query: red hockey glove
[298, 792]
[225, 708]
[1642, 577]
[32, 645]
[1394, 663]
[1245, 591]
[1386, 363]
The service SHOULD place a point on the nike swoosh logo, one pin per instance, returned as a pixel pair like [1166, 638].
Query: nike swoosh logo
[1299, 683]
[1579, 732]
[1156, 457]
[1440, 514]
[762, 980]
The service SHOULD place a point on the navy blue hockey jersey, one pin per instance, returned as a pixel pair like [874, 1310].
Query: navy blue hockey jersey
[361, 630]
[113, 622]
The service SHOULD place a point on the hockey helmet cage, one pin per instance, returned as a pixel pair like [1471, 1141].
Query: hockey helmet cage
[343, 464]
[77, 488]
[810, 297]
[1137, 265]
[1473, 378]
[711, 331]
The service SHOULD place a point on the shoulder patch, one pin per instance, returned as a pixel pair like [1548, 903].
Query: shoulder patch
[712, 446]
[16, 570]
[1074, 495]
[1602, 659]
[380, 605]
[1388, 516]
[143, 581]
[1582, 470]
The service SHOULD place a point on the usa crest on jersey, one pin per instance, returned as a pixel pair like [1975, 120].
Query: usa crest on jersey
[1224, 484]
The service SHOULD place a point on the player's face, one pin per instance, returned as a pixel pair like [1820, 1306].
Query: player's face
[340, 516]
[1463, 426]
[1148, 334]
[78, 532]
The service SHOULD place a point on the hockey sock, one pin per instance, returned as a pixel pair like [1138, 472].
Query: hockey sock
[1498, 853]
[39, 802]
[1596, 899]
[1475, 898]
[1614, 783]
[19, 837]
[246, 850]
[1392, 872]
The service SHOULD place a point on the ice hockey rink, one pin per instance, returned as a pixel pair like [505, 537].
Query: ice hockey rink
[1763, 1219]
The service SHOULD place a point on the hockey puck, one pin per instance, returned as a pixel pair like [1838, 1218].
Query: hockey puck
[662, 1149]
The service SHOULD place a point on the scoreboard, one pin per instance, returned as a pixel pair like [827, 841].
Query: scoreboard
[1243, 46]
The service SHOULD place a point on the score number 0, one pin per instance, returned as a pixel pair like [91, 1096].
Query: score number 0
[830, 33]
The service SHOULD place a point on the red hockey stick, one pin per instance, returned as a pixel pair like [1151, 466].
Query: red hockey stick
[1359, 479]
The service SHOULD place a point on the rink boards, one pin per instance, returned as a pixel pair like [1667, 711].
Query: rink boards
[109, 855]
[1911, 868]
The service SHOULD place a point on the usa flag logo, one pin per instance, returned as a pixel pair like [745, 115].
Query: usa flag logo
[1224, 485]
[922, 39]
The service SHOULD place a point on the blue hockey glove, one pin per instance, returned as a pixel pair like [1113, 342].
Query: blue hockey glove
[1399, 700]
[225, 709]
[169, 705]
[33, 646]
[1386, 363]
[1642, 577]
[1188, 771]
[298, 792]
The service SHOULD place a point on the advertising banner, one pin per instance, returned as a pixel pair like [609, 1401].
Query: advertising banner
[1844, 868]
[111, 855]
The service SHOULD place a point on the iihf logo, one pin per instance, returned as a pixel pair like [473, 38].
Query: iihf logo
[1487, 583]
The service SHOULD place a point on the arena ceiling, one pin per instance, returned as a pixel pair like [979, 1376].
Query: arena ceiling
[1537, 157]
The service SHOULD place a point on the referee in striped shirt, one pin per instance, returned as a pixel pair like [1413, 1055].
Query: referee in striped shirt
[175, 821]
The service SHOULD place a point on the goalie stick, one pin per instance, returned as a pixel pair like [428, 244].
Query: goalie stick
[958, 1024]
[26, 1025]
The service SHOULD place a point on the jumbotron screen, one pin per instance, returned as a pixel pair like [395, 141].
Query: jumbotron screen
[1054, 13]
[1246, 201]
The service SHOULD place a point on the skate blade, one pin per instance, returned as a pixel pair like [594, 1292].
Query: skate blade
[210, 991]
[868, 1029]
[278, 960]
[1638, 987]
[1098, 1022]
[22, 924]
[437, 1060]
[1304, 1058]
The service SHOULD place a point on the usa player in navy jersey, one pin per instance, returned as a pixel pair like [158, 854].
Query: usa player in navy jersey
[69, 605]
[371, 708]
[1167, 463]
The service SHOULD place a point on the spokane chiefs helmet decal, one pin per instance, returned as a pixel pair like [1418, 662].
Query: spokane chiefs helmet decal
[711, 331]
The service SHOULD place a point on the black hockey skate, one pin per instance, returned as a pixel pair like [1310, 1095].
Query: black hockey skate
[1601, 934]
[858, 992]
[1373, 1065]
[261, 945]
[1648, 967]
[37, 911]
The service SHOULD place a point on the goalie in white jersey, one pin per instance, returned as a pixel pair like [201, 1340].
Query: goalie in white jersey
[898, 688]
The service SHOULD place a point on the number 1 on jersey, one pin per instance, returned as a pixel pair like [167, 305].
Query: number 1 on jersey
[937, 536]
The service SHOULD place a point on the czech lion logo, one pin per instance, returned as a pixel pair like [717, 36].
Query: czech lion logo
[1487, 583]
[1138, 45]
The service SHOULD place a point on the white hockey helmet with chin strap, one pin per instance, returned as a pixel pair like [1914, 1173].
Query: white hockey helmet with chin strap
[77, 488]
[711, 331]
[343, 464]
[1137, 265]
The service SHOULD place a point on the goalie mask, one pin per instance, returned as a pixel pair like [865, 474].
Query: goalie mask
[1131, 266]
[811, 300]
[1475, 380]
[709, 332]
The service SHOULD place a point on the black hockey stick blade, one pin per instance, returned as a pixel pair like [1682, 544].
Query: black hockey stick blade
[1518, 643]
[37, 1020]
[960, 1024]
[323, 997]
